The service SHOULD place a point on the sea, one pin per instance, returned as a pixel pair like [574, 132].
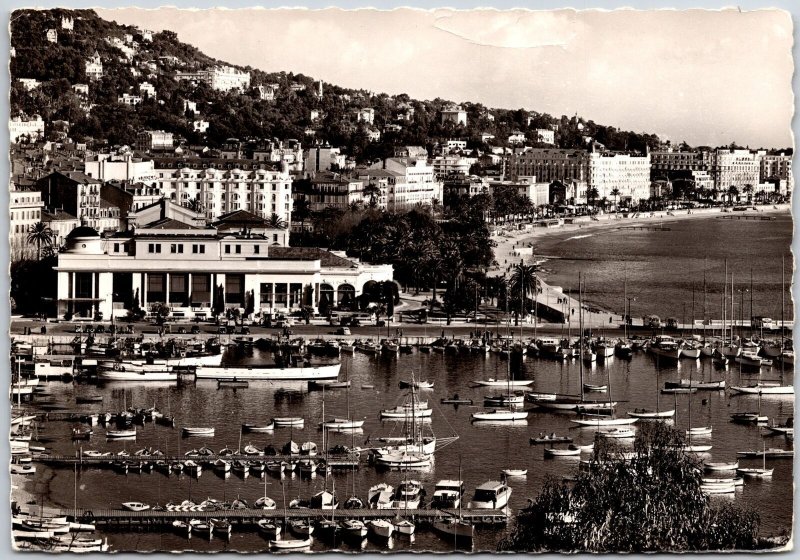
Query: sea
[664, 269]
[482, 450]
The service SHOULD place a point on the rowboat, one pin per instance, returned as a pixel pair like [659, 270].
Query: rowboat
[690, 448]
[416, 384]
[256, 428]
[570, 451]
[748, 418]
[270, 529]
[550, 438]
[730, 466]
[288, 421]
[455, 527]
[736, 481]
[491, 382]
[599, 421]
[189, 431]
[718, 488]
[515, 472]
[699, 431]
[342, 424]
[117, 434]
[290, 544]
[645, 414]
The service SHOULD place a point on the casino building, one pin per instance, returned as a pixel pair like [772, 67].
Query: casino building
[236, 262]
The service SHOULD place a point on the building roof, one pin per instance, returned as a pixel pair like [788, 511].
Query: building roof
[168, 223]
[239, 218]
[82, 231]
[57, 215]
[327, 259]
[80, 177]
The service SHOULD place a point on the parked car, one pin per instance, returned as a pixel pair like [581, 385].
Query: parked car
[343, 331]
[195, 329]
[222, 329]
[100, 329]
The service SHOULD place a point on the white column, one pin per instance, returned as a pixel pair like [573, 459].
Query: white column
[145, 286]
[189, 288]
[105, 288]
[166, 289]
[272, 299]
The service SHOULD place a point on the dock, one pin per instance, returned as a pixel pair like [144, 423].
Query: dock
[124, 519]
[647, 228]
[334, 461]
[745, 217]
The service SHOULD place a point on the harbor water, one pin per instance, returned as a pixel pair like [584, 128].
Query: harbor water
[481, 451]
[664, 266]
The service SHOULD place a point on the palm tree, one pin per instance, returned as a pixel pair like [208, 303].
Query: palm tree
[523, 280]
[276, 222]
[615, 193]
[372, 191]
[591, 195]
[733, 191]
[748, 190]
[40, 234]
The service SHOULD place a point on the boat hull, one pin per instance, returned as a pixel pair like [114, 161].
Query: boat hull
[270, 373]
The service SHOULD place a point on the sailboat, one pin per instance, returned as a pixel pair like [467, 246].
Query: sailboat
[507, 414]
[414, 450]
[656, 414]
[341, 424]
[753, 472]
[575, 403]
[288, 544]
[692, 431]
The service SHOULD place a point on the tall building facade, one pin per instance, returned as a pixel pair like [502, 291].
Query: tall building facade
[217, 187]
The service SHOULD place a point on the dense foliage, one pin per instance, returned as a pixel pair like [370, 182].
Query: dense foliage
[61, 65]
[651, 503]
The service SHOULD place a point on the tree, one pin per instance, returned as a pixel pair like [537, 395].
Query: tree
[276, 222]
[160, 311]
[592, 195]
[301, 210]
[615, 193]
[650, 503]
[372, 191]
[40, 234]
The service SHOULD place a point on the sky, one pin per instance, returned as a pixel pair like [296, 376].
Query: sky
[706, 77]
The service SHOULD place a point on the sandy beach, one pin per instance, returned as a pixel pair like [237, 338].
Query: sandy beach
[516, 245]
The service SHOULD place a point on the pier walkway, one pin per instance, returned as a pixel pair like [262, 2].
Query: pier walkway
[124, 518]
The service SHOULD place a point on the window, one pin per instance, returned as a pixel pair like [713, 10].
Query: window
[154, 248]
[274, 237]
[256, 249]
[238, 249]
[116, 247]
[176, 248]
[227, 249]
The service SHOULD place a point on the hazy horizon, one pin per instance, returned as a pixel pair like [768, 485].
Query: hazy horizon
[706, 77]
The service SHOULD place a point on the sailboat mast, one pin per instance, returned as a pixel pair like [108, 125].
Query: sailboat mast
[580, 326]
[521, 299]
[783, 296]
[724, 301]
[704, 302]
[625, 304]
[535, 301]
[751, 302]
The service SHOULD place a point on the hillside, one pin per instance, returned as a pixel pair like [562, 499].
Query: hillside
[101, 118]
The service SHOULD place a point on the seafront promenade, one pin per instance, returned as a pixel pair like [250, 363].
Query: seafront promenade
[519, 245]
